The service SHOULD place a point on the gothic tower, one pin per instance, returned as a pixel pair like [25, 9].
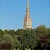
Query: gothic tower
[27, 19]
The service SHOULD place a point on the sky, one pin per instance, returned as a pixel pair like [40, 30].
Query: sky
[12, 13]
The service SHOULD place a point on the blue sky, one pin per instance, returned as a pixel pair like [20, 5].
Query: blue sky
[12, 13]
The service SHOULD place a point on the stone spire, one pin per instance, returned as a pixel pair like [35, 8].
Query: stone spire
[27, 8]
[27, 19]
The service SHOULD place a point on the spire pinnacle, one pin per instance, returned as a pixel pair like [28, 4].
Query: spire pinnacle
[27, 8]
[27, 4]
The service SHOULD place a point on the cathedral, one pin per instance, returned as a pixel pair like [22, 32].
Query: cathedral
[27, 19]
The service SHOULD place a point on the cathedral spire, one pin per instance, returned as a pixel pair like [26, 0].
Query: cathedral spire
[27, 19]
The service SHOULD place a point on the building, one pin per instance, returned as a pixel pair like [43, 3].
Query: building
[27, 19]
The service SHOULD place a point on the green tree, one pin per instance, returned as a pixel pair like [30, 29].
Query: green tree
[12, 32]
[29, 39]
[1, 32]
[7, 39]
[19, 32]
[41, 30]
[48, 35]
[17, 43]
[48, 31]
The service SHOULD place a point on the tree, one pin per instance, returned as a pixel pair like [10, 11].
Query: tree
[41, 30]
[1, 32]
[19, 32]
[12, 32]
[29, 39]
[48, 31]
[17, 43]
[7, 39]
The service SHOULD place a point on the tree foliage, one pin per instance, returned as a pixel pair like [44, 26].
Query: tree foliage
[24, 38]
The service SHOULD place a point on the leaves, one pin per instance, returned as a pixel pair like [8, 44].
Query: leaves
[28, 39]
[24, 38]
